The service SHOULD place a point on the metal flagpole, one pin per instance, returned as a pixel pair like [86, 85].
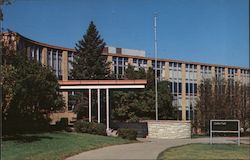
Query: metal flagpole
[155, 50]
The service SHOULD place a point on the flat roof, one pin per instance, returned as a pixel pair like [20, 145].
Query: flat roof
[101, 84]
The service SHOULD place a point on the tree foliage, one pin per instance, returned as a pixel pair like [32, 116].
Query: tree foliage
[221, 99]
[30, 93]
[3, 2]
[132, 105]
[89, 62]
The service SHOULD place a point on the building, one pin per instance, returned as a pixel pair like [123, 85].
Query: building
[184, 76]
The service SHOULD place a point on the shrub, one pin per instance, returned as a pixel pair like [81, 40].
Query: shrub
[62, 124]
[90, 127]
[127, 133]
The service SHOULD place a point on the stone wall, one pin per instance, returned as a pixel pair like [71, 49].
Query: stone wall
[169, 129]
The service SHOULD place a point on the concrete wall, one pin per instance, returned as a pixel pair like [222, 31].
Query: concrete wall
[169, 129]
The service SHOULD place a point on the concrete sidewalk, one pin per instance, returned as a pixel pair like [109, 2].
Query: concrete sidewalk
[146, 149]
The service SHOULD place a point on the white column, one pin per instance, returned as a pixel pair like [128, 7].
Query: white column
[90, 105]
[99, 107]
[107, 109]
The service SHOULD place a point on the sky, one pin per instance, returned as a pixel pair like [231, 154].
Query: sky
[209, 31]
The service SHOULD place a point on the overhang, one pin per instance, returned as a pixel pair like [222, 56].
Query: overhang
[101, 84]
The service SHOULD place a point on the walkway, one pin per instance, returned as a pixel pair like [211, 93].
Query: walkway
[146, 149]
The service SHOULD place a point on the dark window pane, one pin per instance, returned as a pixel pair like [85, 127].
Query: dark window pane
[134, 60]
[175, 87]
[119, 70]
[180, 87]
[186, 87]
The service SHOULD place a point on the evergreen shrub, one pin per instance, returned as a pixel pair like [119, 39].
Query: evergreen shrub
[90, 127]
[127, 133]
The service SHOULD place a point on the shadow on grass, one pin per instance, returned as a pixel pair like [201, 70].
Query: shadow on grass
[25, 138]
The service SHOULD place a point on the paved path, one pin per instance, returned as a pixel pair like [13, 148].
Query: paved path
[147, 149]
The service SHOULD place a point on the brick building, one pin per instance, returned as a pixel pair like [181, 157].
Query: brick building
[184, 76]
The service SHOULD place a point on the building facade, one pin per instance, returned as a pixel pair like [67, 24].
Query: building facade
[184, 76]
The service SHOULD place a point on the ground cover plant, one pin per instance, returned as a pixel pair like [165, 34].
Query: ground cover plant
[206, 151]
[53, 146]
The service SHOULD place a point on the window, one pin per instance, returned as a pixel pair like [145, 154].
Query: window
[60, 66]
[134, 60]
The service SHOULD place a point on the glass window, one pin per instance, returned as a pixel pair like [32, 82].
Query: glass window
[60, 65]
[49, 57]
[180, 87]
[134, 60]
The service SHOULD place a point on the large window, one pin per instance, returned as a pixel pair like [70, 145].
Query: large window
[139, 63]
[160, 66]
[245, 76]
[70, 67]
[191, 88]
[119, 65]
[232, 74]
[175, 77]
[206, 72]
[60, 66]
[54, 60]
[219, 72]
[35, 53]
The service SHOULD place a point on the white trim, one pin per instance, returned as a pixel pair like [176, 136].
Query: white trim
[101, 87]
[107, 109]
[225, 120]
[98, 105]
[90, 118]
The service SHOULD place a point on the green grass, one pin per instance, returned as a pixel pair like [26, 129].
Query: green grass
[206, 151]
[53, 146]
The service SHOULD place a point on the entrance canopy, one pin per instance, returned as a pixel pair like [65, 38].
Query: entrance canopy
[98, 85]
[101, 84]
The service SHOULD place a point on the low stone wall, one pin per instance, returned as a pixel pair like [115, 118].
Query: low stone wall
[169, 129]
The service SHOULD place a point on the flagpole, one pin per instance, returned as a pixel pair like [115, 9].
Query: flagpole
[155, 51]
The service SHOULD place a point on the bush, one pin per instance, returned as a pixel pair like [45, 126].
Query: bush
[90, 127]
[127, 133]
[62, 124]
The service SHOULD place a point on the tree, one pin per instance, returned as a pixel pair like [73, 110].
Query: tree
[89, 62]
[132, 105]
[221, 99]
[131, 73]
[30, 93]
[3, 2]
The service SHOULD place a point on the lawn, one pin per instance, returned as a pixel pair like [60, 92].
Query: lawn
[53, 146]
[206, 151]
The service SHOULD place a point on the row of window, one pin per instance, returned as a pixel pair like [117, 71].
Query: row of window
[35, 53]
[54, 60]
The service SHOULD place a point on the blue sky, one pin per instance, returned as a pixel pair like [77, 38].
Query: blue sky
[211, 31]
